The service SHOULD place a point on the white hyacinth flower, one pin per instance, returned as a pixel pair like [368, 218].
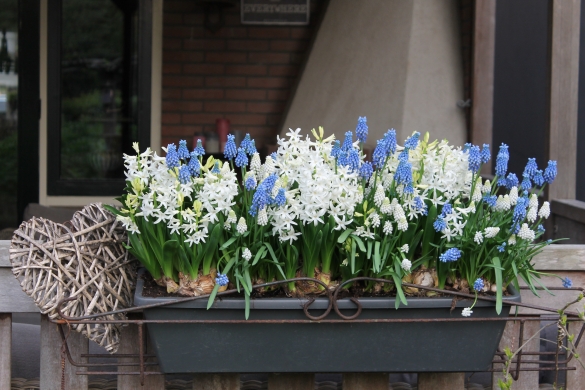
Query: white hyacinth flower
[246, 254]
[487, 187]
[478, 238]
[491, 232]
[406, 264]
[526, 233]
[477, 194]
[231, 217]
[379, 195]
[533, 201]
[404, 248]
[386, 208]
[544, 210]
[531, 215]
[513, 196]
[262, 217]
[375, 220]
[387, 227]
[466, 312]
[512, 240]
[403, 224]
[227, 226]
[242, 227]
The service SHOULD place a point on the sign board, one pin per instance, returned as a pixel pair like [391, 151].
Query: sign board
[275, 12]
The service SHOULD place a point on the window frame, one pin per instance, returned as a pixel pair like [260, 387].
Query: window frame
[56, 186]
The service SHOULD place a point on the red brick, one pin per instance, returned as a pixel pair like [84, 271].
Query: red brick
[199, 93]
[225, 107]
[227, 32]
[171, 118]
[200, 118]
[171, 93]
[288, 45]
[268, 82]
[181, 106]
[245, 94]
[278, 94]
[172, 43]
[301, 32]
[247, 45]
[264, 107]
[182, 56]
[283, 70]
[169, 131]
[204, 44]
[247, 119]
[170, 68]
[268, 32]
[182, 81]
[269, 58]
[226, 57]
[260, 131]
[176, 31]
[204, 69]
[273, 119]
[251, 70]
[223, 81]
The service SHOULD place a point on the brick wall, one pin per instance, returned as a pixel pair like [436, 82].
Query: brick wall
[243, 73]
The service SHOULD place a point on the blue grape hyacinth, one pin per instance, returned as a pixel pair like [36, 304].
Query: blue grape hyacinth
[485, 154]
[450, 255]
[172, 158]
[567, 283]
[478, 285]
[347, 142]
[361, 131]
[183, 152]
[194, 166]
[502, 164]
[241, 158]
[550, 173]
[198, 151]
[474, 159]
[222, 279]
[366, 170]
[336, 149]
[184, 174]
[229, 150]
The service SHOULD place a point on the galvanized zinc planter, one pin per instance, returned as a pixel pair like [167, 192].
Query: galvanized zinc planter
[424, 336]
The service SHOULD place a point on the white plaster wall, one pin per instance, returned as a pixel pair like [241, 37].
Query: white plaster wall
[395, 61]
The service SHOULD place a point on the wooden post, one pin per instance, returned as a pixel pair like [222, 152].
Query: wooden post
[295, 381]
[441, 381]
[129, 343]
[564, 82]
[367, 381]
[5, 350]
[217, 382]
[51, 357]
[482, 101]
[528, 380]
[576, 379]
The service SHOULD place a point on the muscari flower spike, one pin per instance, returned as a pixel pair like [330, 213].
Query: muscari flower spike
[530, 168]
[347, 142]
[198, 151]
[446, 210]
[273, 155]
[403, 174]
[502, 164]
[450, 255]
[280, 198]
[366, 170]
[184, 174]
[262, 195]
[194, 166]
[526, 183]
[550, 173]
[353, 160]
[485, 154]
[252, 148]
[183, 152]
[538, 178]
[511, 181]
[336, 149]
[172, 158]
[501, 248]
[490, 199]
[245, 144]
[412, 141]
[361, 131]
[474, 159]
[439, 224]
[250, 183]
[420, 205]
[216, 169]
[478, 284]
[567, 283]
[222, 279]
[229, 150]
[241, 158]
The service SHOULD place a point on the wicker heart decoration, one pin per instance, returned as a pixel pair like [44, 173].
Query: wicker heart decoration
[83, 258]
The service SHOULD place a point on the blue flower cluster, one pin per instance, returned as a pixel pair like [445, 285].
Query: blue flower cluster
[198, 151]
[229, 150]
[384, 147]
[262, 197]
[248, 145]
[192, 166]
[280, 198]
[222, 279]
[450, 255]
[412, 141]
[172, 158]
[550, 173]
[511, 180]
[490, 199]
[478, 285]
[474, 159]
[250, 183]
[403, 176]
[241, 158]
[567, 283]
[366, 170]
[420, 205]
[184, 174]
[501, 248]
[485, 154]
[361, 131]
[440, 223]
[183, 152]
[502, 164]
[336, 149]
[215, 169]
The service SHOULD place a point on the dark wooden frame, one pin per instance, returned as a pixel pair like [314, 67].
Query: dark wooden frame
[84, 187]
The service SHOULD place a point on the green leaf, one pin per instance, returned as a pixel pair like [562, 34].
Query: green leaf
[259, 255]
[227, 243]
[359, 242]
[498, 272]
[343, 236]
[216, 287]
[369, 255]
[377, 259]
[400, 296]
[353, 249]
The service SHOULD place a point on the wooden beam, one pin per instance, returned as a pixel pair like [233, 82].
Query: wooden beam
[5, 350]
[294, 381]
[564, 82]
[441, 381]
[482, 101]
[365, 381]
[218, 382]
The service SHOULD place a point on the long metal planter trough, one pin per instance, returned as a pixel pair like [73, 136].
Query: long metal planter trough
[305, 335]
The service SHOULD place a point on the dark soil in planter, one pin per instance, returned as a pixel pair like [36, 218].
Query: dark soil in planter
[153, 290]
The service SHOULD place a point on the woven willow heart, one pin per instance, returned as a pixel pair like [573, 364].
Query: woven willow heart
[83, 258]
